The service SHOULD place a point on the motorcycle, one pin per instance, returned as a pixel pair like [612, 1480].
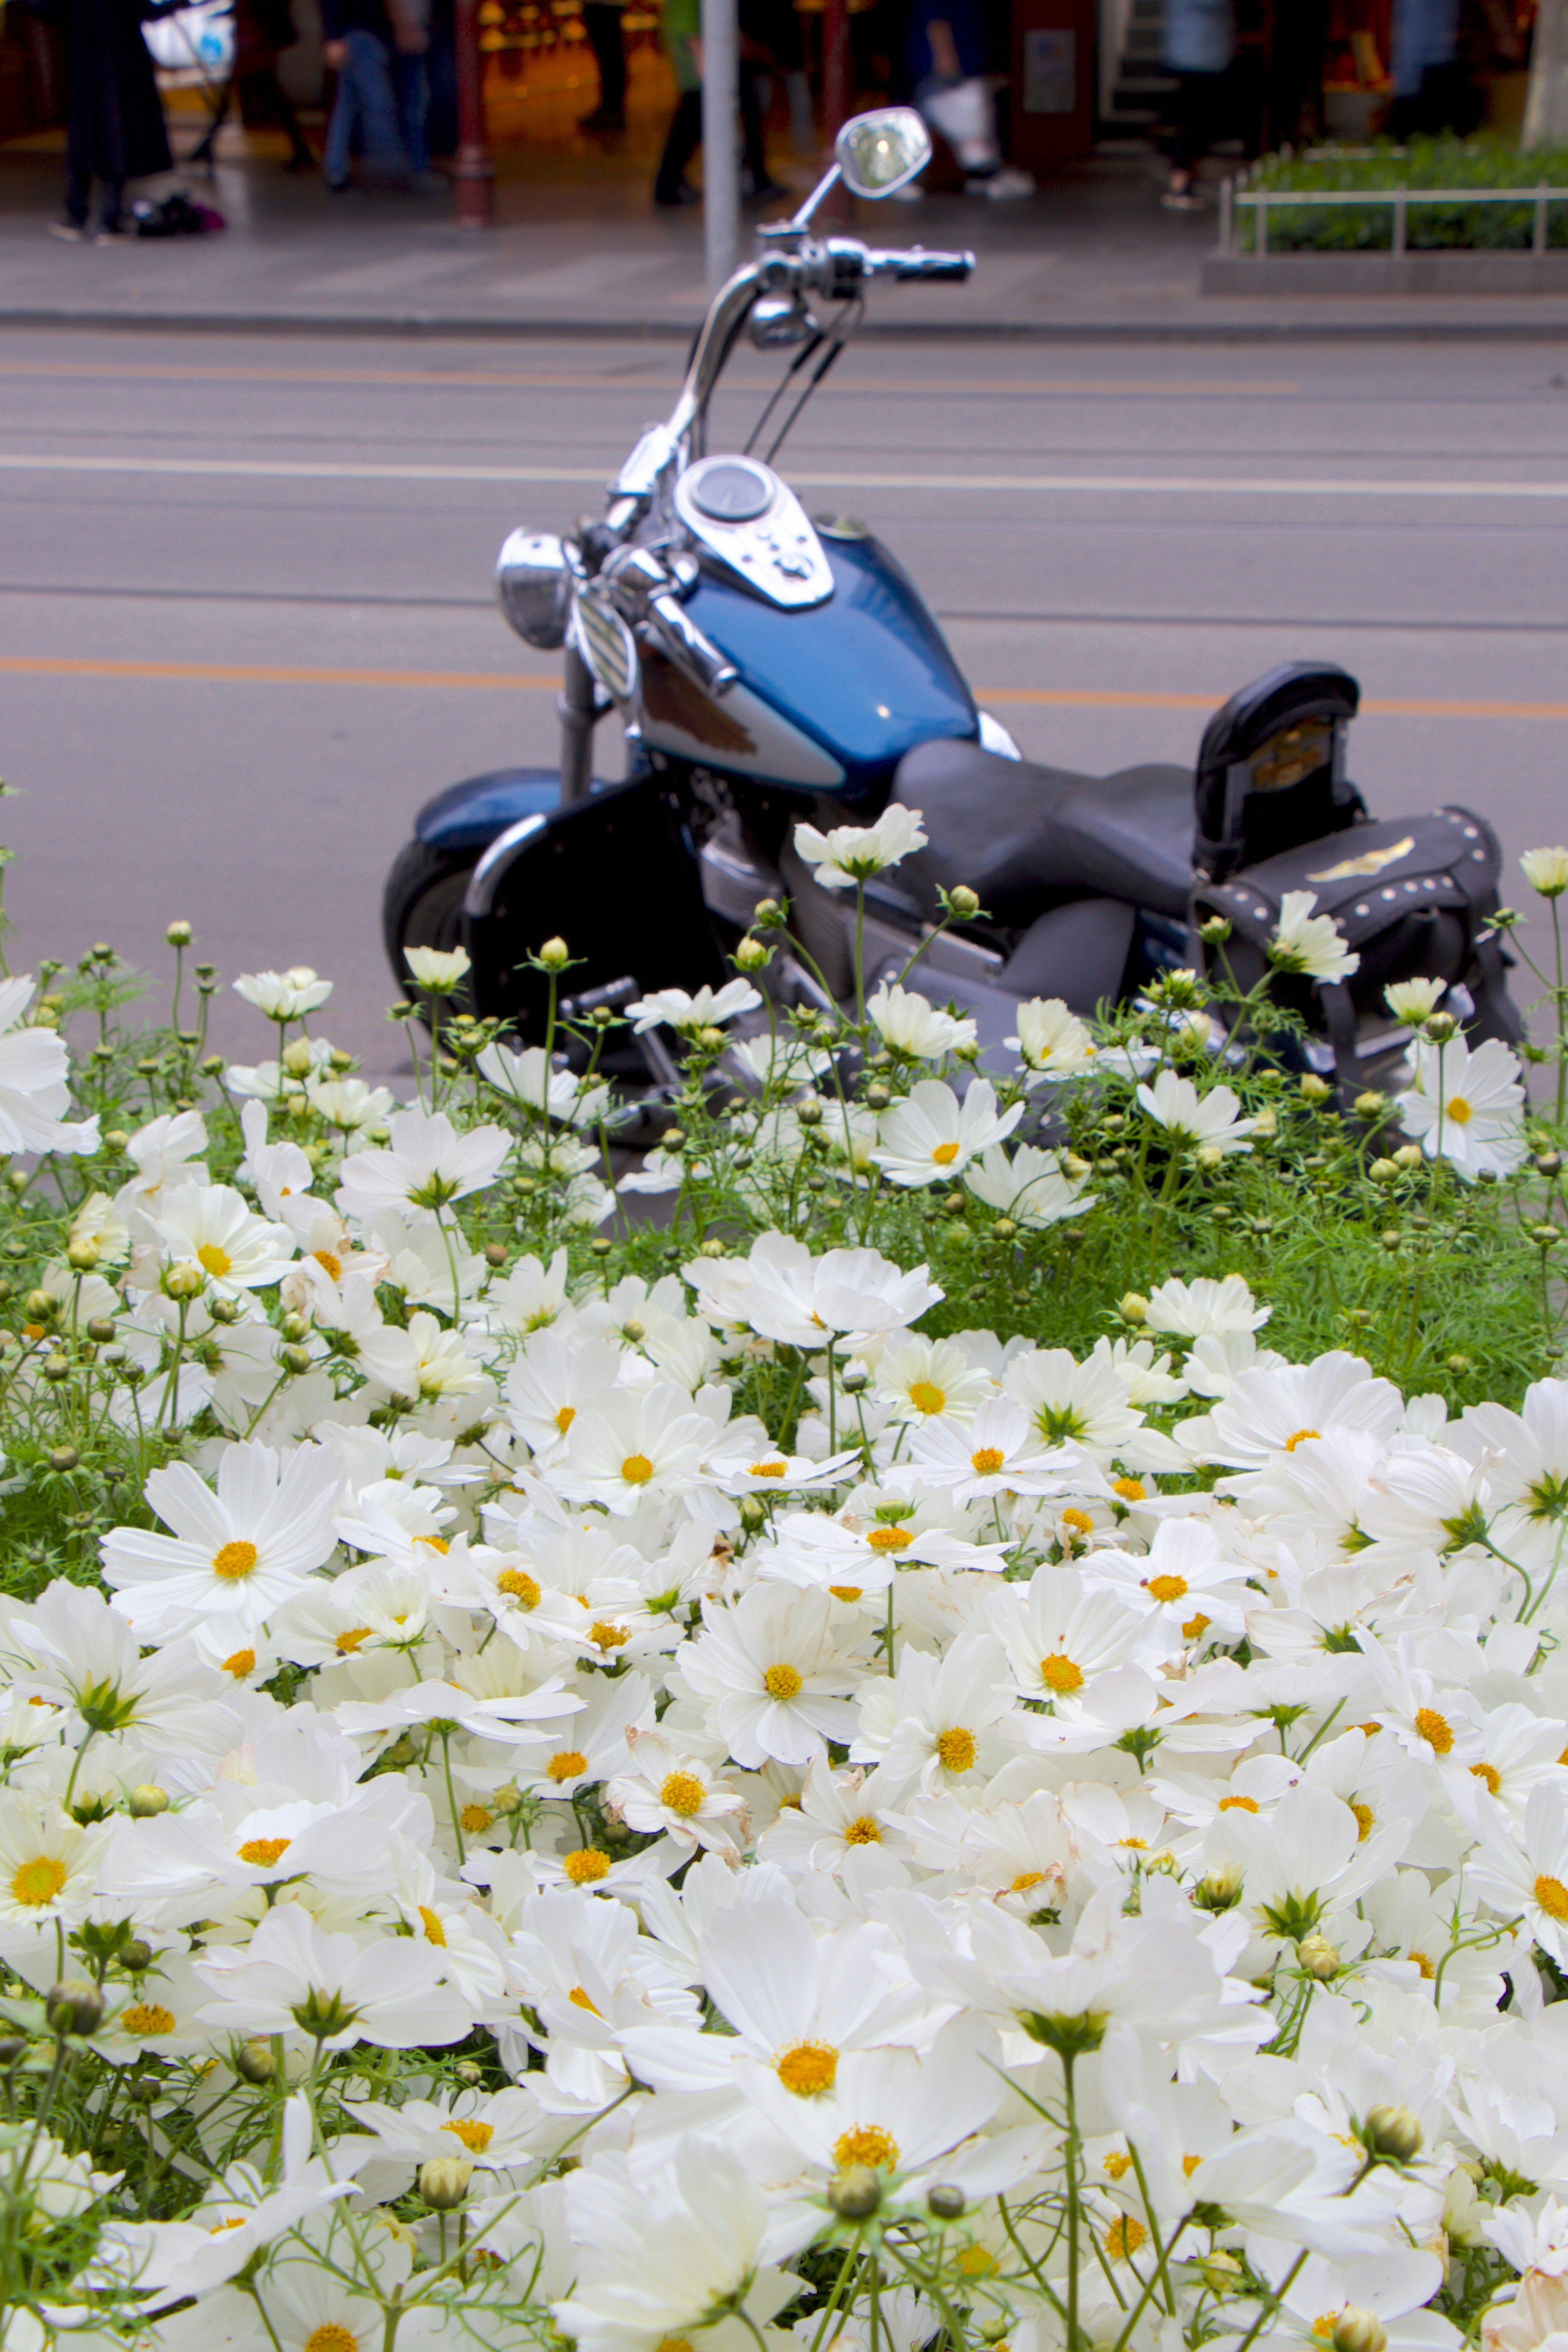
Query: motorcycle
[766, 665]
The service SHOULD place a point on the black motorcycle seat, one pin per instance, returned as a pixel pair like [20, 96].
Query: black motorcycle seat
[1026, 837]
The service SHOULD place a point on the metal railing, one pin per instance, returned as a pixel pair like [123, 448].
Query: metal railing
[1260, 199]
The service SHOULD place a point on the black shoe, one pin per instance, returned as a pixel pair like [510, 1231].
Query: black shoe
[764, 191]
[601, 119]
[683, 193]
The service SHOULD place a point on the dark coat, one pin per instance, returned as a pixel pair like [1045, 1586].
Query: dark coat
[114, 117]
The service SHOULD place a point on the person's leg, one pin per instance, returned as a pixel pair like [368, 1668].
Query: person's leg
[381, 125]
[1191, 115]
[602, 23]
[79, 191]
[111, 208]
[685, 137]
[338, 145]
[754, 147]
[412, 87]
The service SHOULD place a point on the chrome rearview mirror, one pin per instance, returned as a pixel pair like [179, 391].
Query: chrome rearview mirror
[880, 153]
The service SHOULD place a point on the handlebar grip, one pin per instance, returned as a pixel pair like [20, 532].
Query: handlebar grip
[689, 645]
[941, 267]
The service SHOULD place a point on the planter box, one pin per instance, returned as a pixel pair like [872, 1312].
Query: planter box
[1387, 273]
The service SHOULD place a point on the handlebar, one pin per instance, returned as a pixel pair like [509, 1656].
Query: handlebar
[937, 268]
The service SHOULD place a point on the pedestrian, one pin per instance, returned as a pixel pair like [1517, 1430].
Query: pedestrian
[358, 44]
[1199, 49]
[680, 30]
[602, 23]
[1433, 90]
[263, 29]
[114, 118]
[771, 43]
[947, 65]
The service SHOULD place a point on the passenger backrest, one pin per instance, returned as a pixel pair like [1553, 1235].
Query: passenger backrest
[1271, 768]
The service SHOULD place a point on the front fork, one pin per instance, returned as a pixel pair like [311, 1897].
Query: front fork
[580, 710]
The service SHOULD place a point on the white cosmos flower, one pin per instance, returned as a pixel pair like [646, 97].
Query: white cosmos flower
[849, 854]
[235, 1555]
[1415, 1000]
[708, 1009]
[1030, 1187]
[1527, 1874]
[910, 1024]
[284, 995]
[1052, 1042]
[997, 1454]
[34, 1081]
[1311, 943]
[786, 1293]
[437, 970]
[50, 1867]
[1546, 871]
[665, 1788]
[930, 1137]
[295, 1978]
[209, 1225]
[1200, 1310]
[349, 1104]
[1212, 1118]
[424, 1361]
[428, 1165]
[534, 1086]
[1465, 1105]
[769, 1676]
[628, 1446]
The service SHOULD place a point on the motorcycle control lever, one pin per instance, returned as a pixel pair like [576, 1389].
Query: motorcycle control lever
[641, 571]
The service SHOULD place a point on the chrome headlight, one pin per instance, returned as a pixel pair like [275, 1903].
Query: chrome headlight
[533, 587]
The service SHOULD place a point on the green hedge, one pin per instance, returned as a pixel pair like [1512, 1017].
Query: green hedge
[1457, 164]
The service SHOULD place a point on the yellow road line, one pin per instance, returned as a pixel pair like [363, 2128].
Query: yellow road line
[437, 379]
[462, 681]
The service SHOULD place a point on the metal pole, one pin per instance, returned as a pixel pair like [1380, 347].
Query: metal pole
[575, 709]
[1399, 196]
[1226, 198]
[1260, 240]
[472, 172]
[1540, 240]
[720, 165]
[836, 97]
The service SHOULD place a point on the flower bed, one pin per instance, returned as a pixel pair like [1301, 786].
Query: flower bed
[1445, 163]
[964, 1746]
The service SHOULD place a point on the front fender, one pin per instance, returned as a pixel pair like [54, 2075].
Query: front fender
[469, 815]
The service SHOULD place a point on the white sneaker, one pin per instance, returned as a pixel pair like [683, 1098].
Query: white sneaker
[1004, 186]
[67, 232]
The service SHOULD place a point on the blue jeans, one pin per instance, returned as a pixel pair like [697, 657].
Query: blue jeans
[365, 112]
[411, 80]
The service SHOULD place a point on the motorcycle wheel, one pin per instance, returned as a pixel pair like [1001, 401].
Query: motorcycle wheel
[422, 907]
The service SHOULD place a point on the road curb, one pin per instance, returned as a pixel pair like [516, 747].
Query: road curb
[485, 327]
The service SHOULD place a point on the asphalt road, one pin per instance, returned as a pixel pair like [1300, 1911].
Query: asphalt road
[1115, 540]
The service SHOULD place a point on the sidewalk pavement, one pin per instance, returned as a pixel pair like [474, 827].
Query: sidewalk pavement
[1092, 257]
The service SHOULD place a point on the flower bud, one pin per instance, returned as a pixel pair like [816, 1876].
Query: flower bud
[752, 955]
[1409, 1155]
[1215, 932]
[1370, 1106]
[753, 1510]
[1393, 2133]
[1004, 1230]
[856, 2193]
[81, 1255]
[809, 1112]
[178, 935]
[1359, 2330]
[555, 955]
[64, 1458]
[225, 1310]
[444, 2182]
[1209, 1155]
[1384, 1171]
[711, 1040]
[1221, 1890]
[1132, 1306]
[254, 2061]
[1318, 1957]
[295, 1360]
[1546, 871]
[714, 1249]
[146, 1800]
[1314, 1090]
[468, 2070]
[57, 1368]
[100, 1331]
[183, 1280]
[965, 902]
[136, 1955]
[39, 1306]
[1549, 1163]
[945, 2203]
[74, 2007]
[1075, 1166]
[1439, 1027]
[12, 2048]
[765, 910]
[298, 1058]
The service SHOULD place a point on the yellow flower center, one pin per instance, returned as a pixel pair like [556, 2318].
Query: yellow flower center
[862, 1830]
[218, 1262]
[1459, 1110]
[926, 1397]
[976, 2262]
[262, 1852]
[1427, 1965]
[476, 1819]
[569, 1765]
[606, 1636]
[38, 1881]
[989, 1459]
[351, 1637]
[239, 1662]
[474, 2136]
[808, 2067]
[519, 1585]
[1552, 1896]
[435, 1543]
[586, 1867]
[580, 2000]
[1131, 1490]
[1190, 2165]
[236, 1559]
[1435, 1730]
[1194, 1627]
[144, 2016]
[1166, 1587]
[945, 1154]
[330, 1263]
[636, 1469]
[1118, 2162]
[891, 1539]
[1365, 1818]
[865, 2144]
[1300, 1437]
[430, 1921]
[781, 1682]
[955, 1749]
[847, 1592]
[1079, 1521]
[1058, 1673]
[774, 1469]
[1238, 1804]
[683, 1793]
[1490, 1774]
[331, 2337]
[1123, 2237]
[1025, 1880]
[1325, 2324]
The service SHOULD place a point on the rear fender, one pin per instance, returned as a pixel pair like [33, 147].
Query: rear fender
[618, 879]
